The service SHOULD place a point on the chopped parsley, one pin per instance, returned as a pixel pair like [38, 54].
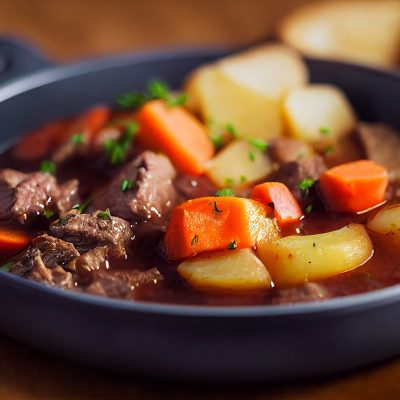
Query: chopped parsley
[230, 128]
[229, 182]
[78, 138]
[81, 207]
[243, 178]
[328, 149]
[308, 209]
[7, 266]
[48, 167]
[306, 184]
[252, 156]
[48, 213]
[216, 210]
[195, 240]
[217, 140]
[126, 184]
[232, 245]
[225, 192]
[324, 131]
[116, 150]
[156, 89]
[104, 214]
[258, 144]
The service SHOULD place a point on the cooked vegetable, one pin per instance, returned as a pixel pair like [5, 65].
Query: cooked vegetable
[13, 241]
[212, 223]
[236, 160]
[294, 260]
[280, 200]
[247, 89]
[308, 109]
[226, 271]
[354, 187]
[387, 222]
[354, 30]
[177, 133]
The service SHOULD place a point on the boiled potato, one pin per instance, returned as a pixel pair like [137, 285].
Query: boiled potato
[316, 111]
[226, 271]
[387, 222]
[246, 90]
[293, 260]
[354, 30]
[239, 163]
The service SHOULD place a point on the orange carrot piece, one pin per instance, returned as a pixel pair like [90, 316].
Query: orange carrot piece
[354, 187]
[13, 241]
[280, 200]
[177, 133]
[38, 143]
[213, 223]
[88, 123]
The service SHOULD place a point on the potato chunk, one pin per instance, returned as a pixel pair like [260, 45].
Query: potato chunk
[387, 222]
[247, 89]
[318, 110]
[293, 260]
[239, 163]
[226, 271]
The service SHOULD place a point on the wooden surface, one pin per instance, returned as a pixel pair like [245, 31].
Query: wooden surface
[70, 29]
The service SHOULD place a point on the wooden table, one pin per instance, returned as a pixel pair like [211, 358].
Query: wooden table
[71, 29]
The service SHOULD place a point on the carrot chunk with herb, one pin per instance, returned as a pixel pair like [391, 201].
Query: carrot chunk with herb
[214, 223]
[13, 241]
[354, 187]
[175, 132]
[280, 200]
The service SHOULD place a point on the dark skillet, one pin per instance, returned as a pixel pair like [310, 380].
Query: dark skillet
[186, 342]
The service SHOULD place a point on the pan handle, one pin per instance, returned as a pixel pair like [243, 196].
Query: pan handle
[18, 58]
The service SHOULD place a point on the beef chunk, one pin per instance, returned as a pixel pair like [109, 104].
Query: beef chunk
[310, 291]
[122, 284]
[381, 144]
[25, 196]
[285, 150]
[191, 187]
[44, 261]
[152, 195]
[87, 231]
[291, 174]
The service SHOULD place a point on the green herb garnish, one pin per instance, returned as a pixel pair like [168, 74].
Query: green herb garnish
[328, 149]
[308, 209]
[258, 144]
[306, 184]
[252, 156]
[126, 184]
[231, 129]
[225, 192]
[243, 178]
[131, 100]
[7, 266]
[229, 182]
[48, 167]
[104, 214]
[217, 140]
[324, 131]
[82, 206]
[232, 245]
[78, 138]
[48, 213]
[195, 240]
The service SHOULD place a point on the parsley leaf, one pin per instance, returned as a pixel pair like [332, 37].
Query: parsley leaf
[104, 214]
[232, 245]
[306, 184]
[78, 138]
[231, 129]
[252, 156]
[308, 209]
[126, 184]
[258, 144]
[328, 149]
[225, 192]
[243, 178]
[48, 167]
[324, 131]
[48, 213]
[229, 182]
[82, 206]
[7, 266]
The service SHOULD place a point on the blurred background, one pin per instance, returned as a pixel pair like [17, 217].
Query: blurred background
[357, 30]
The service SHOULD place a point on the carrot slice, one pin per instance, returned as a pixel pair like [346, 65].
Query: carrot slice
[354, 187]
[13, 241]
[175, 132]
[38, 143]
[280, 200]
[213, 223]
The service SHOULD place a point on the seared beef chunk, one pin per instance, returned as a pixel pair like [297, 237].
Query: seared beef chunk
[122, 284]
[190, 187]
[87, 231]
[381, 144]
[148, 195]
[25, 196]
[44, 261]
[293, 173]
[310, 291]
[284, 150]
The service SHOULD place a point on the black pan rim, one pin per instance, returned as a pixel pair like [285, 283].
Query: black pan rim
[346, 304]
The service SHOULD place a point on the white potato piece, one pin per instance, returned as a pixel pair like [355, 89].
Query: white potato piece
[387, 222]
[315, 109]
[353, 30]
[226, 271]
[247, 89]
[239, 163]
[293, 260]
